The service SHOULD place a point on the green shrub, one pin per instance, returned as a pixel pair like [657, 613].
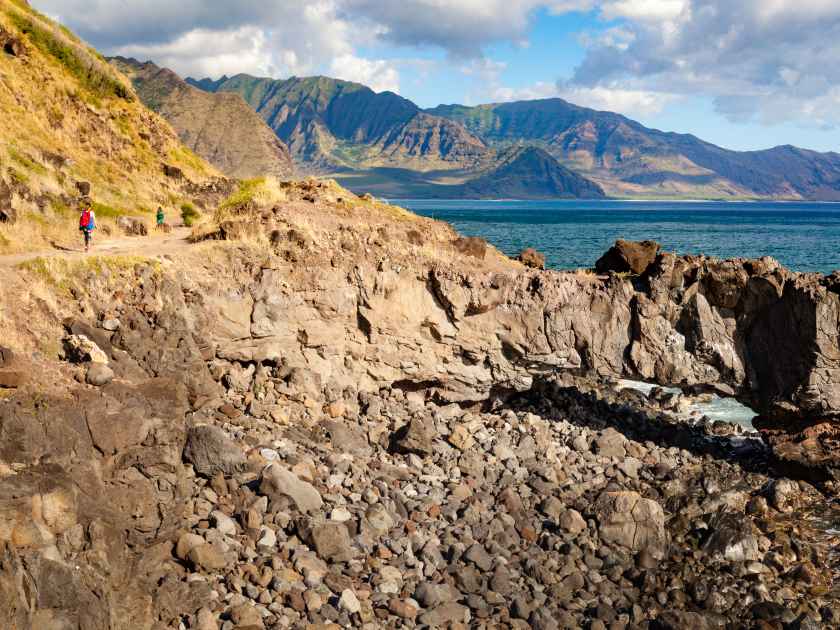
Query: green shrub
[189, 214]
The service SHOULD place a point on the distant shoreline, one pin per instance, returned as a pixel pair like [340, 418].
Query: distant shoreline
[610, 200]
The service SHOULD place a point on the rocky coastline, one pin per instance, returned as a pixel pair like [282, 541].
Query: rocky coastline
[334, 414]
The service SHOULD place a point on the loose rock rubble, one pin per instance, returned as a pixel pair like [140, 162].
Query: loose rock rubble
[545, 513]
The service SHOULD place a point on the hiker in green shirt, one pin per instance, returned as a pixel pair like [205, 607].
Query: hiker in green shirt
[160, 218]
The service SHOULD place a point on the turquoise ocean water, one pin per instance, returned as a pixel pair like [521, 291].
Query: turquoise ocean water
[803, 236]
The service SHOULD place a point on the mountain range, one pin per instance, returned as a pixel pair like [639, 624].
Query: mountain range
[385, 143]
[73, 128]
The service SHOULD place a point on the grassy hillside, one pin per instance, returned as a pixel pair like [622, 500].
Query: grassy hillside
[69, 118]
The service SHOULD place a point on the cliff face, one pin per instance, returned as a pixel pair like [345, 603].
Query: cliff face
[221, 128]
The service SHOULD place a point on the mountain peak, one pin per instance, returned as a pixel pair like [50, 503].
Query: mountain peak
[220, 127]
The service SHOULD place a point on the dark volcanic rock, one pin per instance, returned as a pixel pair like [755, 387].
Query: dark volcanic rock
[628, 256]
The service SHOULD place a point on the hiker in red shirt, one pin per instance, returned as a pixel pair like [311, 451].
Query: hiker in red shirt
[87, 224]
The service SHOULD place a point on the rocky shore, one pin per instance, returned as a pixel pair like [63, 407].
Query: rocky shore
[347, 416]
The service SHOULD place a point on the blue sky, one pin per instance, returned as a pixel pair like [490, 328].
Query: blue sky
[744, 74]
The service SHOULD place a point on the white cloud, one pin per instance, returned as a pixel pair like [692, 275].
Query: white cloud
[765, 60]
[633, 103]
[233, 52]
[756, 59]
[463, 28]
[291, 36]
[647, 10]
[484, 69]
[379, 75]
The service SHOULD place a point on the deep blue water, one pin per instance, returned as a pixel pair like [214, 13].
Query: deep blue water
[572, 234]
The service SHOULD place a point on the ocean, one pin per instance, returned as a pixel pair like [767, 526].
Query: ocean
[573, 234]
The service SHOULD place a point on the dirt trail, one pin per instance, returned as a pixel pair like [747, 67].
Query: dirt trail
[155, 244]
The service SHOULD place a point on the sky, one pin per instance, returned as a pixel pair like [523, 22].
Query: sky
[744, 74]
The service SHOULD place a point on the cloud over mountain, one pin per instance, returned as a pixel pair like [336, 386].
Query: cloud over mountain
[765, 60]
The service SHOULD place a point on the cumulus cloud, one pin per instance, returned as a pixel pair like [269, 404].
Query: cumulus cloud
[230, 52]
[766, 60]
[290, 37]
[378, 75]
[461, 27]
[631, 102]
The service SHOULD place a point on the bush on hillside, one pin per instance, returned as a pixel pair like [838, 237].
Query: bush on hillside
[189, 214]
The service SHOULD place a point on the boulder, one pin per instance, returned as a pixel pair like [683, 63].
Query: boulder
[7, 213]
[11, 45]
[349, 602]
[186, 543]
[211, 451]
[83, 188]
[571, 522]
[628, 520]
[732, 537]
[132, 226]
[530, 257]
[278, 482]
[80, 349]
[99, 374]
[628, 257]
[173, 172]
[610, 443]
[207, 557]
[783, 494]
[331, 540]
[446, 614]
[415, 437]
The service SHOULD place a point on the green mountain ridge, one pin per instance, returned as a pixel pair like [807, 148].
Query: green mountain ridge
[629, 158]
[528, 172]
[331, 124]
[387, 143]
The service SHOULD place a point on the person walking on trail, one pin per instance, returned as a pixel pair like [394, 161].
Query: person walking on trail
[87, 224]
[160, 218]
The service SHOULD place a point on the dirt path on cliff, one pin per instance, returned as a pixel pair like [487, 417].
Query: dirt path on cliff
[155, 244]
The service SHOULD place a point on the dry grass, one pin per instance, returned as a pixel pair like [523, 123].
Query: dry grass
[64, 274]
[252, 195]
[56, 226]
[65, 118]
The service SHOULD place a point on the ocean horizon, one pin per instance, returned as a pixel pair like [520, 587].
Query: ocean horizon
[573, 234]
